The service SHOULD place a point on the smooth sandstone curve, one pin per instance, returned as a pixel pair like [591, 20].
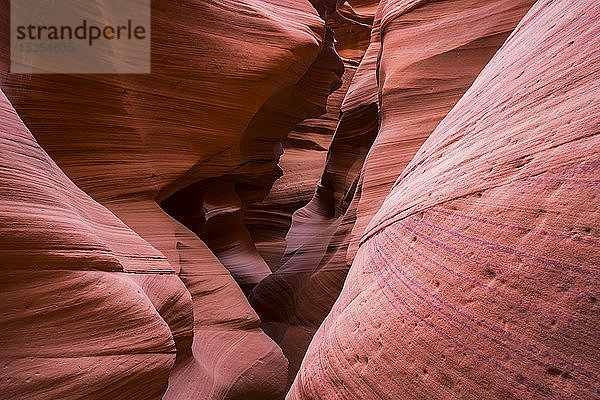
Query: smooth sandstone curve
[478, 277]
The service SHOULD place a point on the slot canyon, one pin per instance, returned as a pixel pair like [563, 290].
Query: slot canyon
[308, 199]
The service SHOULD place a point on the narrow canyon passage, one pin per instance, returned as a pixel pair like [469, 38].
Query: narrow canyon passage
[308, 199]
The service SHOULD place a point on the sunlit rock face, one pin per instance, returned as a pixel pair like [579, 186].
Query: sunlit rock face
[414, 71]
[478, 276]
[218, 108]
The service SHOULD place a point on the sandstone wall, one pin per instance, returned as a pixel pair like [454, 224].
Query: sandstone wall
[478, 277]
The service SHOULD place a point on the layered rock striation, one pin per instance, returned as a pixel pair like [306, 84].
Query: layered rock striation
[407, 189]
[421, 59]
[215, 111]
[82, 314]
[478, 276]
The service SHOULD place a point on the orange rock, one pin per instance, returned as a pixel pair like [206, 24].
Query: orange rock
[82, 315]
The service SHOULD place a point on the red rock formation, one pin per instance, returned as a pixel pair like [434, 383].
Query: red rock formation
[478, 277]
[281, 298]
[261, 145]
[425, 68]
[474, 265]
[417, 86]
[131, 141]
[305, 148]
[83, 315]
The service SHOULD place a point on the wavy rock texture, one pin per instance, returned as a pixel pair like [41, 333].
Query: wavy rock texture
[478, 277]
[305, 148]
[131, 142]
[82, 314]
[278, 296]
[162, 236]
[418, 85]
[431, 54]
[223, 217]
[281, 298]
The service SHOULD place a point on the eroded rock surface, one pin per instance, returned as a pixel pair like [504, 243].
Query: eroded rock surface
[82, 314]
[184, 234]
[306, 147]
[478, 277]
[132, 141]
[412, 74]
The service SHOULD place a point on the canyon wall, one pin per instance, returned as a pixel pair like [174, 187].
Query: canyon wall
[305, 149]
[82, 314]
[422, 58]
[317, 199]
[132, 143]
[478, 276]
